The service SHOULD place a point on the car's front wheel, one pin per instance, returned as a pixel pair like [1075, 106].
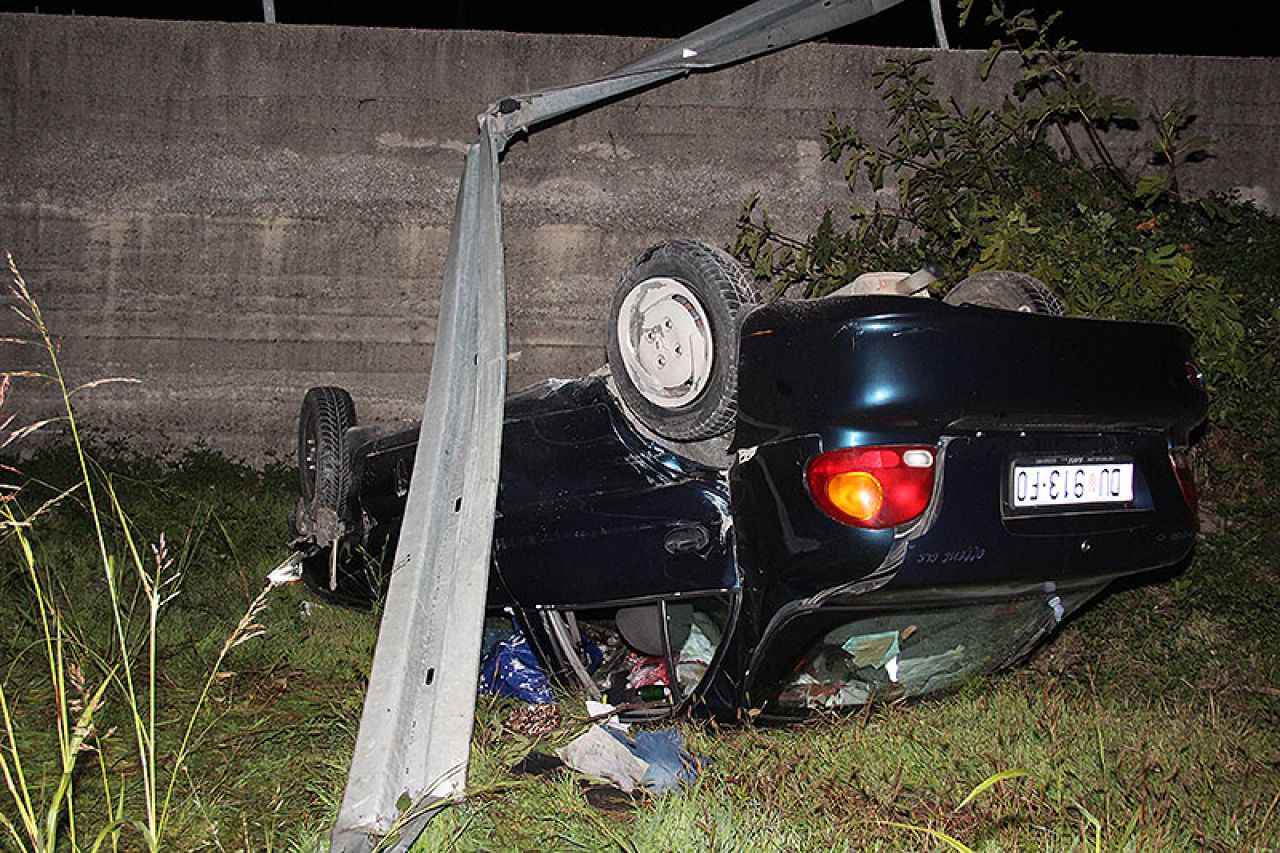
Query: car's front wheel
[324, 457]
[1007, 290]
[672, 339]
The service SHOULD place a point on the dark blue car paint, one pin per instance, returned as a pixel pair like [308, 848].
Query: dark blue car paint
[591, 514]
[862, 370]
[587, 510]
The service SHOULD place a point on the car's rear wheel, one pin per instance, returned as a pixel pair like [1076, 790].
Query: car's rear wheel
[673, 339]
[1007, 290]
[324, 456]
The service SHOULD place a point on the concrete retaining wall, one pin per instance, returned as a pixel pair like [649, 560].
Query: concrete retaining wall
[234, 212]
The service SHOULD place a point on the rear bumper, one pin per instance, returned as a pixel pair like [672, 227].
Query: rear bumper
[974, 537]
[789, 549]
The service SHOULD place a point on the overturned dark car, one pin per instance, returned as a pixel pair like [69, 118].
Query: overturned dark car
[769, 509]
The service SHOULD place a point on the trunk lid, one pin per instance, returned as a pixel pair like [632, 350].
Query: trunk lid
[861, 370]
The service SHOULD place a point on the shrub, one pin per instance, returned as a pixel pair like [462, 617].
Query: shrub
[1030, 185]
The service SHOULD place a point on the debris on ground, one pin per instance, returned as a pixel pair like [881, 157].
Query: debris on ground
[669, 764]
[289, 571]
[607, 798]
[536, 764]
[603, 713]
[598, 753]
[533, 721]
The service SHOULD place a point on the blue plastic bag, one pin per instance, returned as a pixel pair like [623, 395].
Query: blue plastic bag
[511, 668]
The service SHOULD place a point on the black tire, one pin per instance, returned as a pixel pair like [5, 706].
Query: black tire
[705, 404]
[324, 456]
[1009, 291]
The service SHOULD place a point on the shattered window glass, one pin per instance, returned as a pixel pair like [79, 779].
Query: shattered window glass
[881, 657]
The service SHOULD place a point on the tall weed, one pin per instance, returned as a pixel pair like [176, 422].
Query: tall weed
[89, 670]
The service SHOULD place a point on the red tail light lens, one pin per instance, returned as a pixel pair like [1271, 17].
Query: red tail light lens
[872, 487]
[1195, 376]
[1186, 478]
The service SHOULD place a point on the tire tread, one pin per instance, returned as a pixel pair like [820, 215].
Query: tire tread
[335, 413]
[1006, 290]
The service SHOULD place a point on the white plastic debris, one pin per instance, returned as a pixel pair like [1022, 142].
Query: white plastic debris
[290, 571]
[1059, 612]
[597, 709]
[695, 657]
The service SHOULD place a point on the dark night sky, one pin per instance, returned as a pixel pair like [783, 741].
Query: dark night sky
[1228, 27]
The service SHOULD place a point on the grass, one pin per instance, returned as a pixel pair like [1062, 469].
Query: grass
[267, 756]
[1152, 721]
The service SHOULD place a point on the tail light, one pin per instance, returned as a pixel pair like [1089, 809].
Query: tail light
[1186, 478]
[872, 487]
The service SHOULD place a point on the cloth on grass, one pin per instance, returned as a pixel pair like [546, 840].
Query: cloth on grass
[597, 754]
[653, 760]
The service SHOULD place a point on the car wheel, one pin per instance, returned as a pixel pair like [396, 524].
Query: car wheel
[673, 339]
[324, 457]
[1010, 291]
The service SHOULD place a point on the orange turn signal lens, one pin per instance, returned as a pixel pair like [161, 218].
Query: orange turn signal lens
[857, 494]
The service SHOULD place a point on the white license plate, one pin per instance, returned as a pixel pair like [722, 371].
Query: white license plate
[1071, 485]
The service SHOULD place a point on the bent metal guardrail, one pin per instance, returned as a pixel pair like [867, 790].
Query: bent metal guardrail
[412, 749]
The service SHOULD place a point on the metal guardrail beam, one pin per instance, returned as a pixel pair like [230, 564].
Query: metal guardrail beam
[415, 732]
